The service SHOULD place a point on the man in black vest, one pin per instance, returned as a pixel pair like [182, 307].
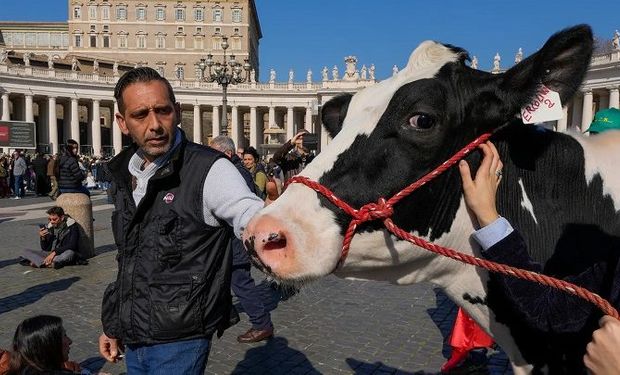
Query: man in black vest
[177, 207]
[242, 282]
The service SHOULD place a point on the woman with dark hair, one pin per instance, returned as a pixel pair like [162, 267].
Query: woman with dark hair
[40, 346]
[251, 162]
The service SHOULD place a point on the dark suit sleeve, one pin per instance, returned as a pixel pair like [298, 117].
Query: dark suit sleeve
[545, 308]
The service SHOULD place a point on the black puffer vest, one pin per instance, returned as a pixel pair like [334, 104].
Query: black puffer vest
[174, 270]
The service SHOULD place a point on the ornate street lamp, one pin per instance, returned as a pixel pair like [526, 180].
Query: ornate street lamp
[224, 73]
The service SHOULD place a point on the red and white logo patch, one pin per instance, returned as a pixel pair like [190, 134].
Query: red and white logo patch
[168, 198]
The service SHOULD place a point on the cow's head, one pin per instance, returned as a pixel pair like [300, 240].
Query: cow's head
[390, 134]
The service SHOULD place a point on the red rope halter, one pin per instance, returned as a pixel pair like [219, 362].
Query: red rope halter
[384, 209]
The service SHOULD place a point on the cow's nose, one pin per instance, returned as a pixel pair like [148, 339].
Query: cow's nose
[268, 239]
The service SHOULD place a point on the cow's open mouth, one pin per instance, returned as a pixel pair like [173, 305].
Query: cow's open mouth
[275, 241]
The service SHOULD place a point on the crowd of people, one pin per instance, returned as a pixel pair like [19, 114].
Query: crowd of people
[51, 174]
[193, 203]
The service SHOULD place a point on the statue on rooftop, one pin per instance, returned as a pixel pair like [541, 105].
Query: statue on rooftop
[74, 64]
[364, 73]
[309, 76]
[474, 63]
[26, 58]
[335, 74]
[272, 76]
[519, 56]
[615, 42]
[371, 72]
[496, 61]
[325, 74]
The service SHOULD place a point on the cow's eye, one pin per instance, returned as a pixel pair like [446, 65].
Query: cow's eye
[421, 121]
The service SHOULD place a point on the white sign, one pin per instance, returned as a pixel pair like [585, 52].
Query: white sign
[546, 106]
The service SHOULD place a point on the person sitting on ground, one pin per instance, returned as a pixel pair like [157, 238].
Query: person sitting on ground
[70, 175]
[543, 308]
[60, 238]
[40, 346]
[293, 157]
[251, 163]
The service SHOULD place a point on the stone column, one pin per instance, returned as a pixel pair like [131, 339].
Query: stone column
[561, 124]
[253, 128]
[29, 115]
[577, 106]
[52, 124]
[215, 130]
[6, 110]
[117, 135]
[197, 124]
[235, 134]
[290, 123]
[586, 117]
[272, 117]
[614, 98]
[75, 121]
[96, 128]
[308, 120]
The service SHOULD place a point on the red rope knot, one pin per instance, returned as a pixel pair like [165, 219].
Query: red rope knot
[374, 211]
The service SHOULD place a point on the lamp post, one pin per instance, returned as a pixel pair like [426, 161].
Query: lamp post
[225, 73]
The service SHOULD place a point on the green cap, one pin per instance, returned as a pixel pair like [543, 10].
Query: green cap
[605, 119]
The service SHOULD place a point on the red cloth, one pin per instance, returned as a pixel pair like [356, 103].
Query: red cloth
[466, 335]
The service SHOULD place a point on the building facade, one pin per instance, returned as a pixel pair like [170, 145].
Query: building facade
[169, 35]
[62, 76]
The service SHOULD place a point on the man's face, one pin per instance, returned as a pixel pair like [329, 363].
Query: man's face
[240, 152]
[74, 149]
[55, 220]
[299, 142]
[150, 117]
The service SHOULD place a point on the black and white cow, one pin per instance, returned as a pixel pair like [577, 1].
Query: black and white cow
[562, 191]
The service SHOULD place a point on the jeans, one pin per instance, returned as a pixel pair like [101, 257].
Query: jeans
[81, 189]
[66, 257]
[18, 189]
[182, 357]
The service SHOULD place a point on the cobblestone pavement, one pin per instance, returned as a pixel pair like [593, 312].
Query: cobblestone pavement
[333, 326]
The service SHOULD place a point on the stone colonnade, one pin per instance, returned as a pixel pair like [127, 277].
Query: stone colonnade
[585, 105]
[249, 124]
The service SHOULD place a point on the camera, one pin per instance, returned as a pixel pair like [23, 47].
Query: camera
[311, 141]
[42, 226]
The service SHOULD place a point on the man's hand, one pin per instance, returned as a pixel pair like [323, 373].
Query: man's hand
[602, 355]
[110, 349]
[49, 259]
[43, 232]
[480, 192]
[298, 135]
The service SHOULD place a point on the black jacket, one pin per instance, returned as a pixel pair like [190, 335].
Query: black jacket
[174, 272]
[70, 176]
[61, 240]
[564, 323]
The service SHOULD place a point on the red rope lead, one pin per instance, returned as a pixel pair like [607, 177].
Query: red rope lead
[384, 209]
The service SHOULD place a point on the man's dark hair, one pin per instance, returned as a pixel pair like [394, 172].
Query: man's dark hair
[72, 142]
[141, 74]
[58, 211]
[37, 345]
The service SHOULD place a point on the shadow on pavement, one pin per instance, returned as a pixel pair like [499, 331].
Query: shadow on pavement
[275, 357]
[104, 249]
[8, 262]
[34, 293]
[366, 368]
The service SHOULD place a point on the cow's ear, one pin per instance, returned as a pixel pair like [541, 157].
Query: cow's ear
[334, 112]
[561, 65]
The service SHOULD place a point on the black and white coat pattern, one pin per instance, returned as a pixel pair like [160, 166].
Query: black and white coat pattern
[556, 188]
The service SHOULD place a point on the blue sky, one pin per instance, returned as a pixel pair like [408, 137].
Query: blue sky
[302, 34]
